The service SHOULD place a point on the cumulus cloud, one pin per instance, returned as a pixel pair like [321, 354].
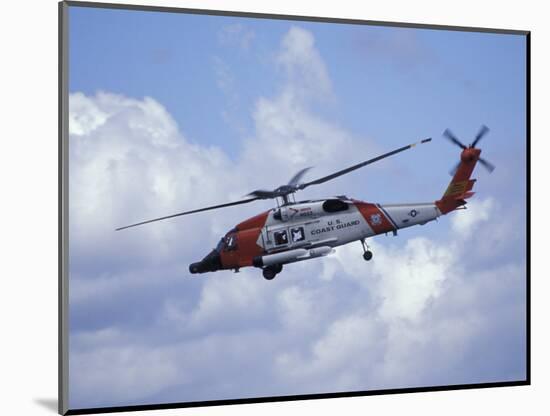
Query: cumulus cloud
[143, 331]
[417, 315]
[411, 276]
[290, 136]
[479, 211]
[128, 162]
[303, 64]
[289, 133]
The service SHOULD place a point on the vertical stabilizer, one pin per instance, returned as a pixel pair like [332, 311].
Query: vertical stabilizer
[461, 185]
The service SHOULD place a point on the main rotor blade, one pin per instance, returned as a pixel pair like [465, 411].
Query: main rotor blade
[360, 165]
[244, 201]
[482, 132]
[489, 166]
[296, 178]
[449, 135]
[263, 194]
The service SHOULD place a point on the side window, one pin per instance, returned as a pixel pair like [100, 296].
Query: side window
[334, 205]
[281, 237]
[297, 234]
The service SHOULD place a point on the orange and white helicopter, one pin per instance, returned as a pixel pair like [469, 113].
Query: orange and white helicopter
[297, 231]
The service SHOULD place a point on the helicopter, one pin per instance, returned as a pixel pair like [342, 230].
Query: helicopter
[302, 230]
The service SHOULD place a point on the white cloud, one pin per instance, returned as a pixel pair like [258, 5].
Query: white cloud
[337, 360]
[84, 115]
[229, 301]
[477, 212]
[411, 276]
[300, 308]
[303, 64]
[134, 165]
[391, 295]
[289, 135]
[417, 315]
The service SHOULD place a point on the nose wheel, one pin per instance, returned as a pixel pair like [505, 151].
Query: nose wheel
[270, 272]
[367, 254]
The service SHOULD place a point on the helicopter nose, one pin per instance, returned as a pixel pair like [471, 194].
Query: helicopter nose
[210, 263]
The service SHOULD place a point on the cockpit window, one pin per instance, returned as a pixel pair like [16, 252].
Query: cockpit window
[228, 242]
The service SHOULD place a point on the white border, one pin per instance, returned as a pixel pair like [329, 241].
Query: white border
[28, 97]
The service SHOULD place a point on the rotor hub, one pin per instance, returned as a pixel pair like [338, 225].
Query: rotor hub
[470, 154]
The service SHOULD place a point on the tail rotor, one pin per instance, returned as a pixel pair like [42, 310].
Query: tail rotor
[453, 139]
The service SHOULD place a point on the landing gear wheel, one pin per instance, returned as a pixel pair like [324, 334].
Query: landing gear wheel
[278, 268]
[367, 255]
[269, 273]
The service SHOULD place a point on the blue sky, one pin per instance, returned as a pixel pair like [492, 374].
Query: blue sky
[419, 83]
[170, 112]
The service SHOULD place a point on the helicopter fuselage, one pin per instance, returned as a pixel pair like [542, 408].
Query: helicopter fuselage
[309, 229]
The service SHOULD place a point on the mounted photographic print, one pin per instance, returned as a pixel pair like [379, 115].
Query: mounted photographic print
[264, 207]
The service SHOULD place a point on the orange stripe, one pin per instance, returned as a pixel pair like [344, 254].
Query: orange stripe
[374, 217]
